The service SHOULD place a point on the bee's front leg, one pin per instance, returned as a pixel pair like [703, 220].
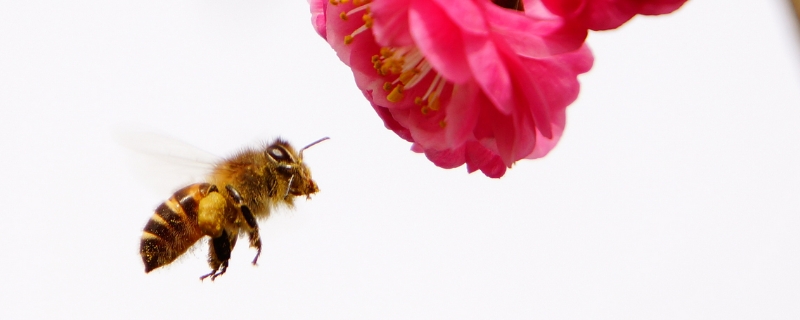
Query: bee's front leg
[249, 218]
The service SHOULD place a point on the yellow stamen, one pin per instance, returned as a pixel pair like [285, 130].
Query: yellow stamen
[442, 124]
[396, 95]
[358, 9]
[433, 103]
[405, 77]
[360, 6]
[433, 85]
[367, 20]
[410, 67]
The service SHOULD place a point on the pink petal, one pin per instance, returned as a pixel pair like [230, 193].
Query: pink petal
[480, 158]
[447, 159]
[534, 36]
[360, 61]
[544, 145]
[609, 14]
[564, 8]
[463, 111]
[530, 102]
[489, 71]
[390, 122]
[503, 132]
[440, 40]
[562, 86]
[466, 14]
[654, 7]
[392, 28]
[318, 8]
[337, 29]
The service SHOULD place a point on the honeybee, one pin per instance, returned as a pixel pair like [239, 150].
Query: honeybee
[238, 191]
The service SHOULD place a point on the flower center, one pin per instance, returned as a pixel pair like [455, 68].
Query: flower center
[408, 64]
[410, 67]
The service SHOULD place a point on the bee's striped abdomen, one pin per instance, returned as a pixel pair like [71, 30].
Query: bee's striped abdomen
[173, 227]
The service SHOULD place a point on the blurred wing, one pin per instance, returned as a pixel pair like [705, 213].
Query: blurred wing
[165, 164]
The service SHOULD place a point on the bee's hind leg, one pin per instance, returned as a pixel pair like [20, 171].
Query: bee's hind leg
[250, 219]
[219, 253]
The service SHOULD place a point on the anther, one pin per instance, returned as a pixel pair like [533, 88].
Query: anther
[367, 20]
[433, 103]
[396, 95]
[406, 77]
[348, 39]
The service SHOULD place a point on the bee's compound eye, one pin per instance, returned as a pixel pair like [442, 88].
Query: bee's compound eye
[278, 154]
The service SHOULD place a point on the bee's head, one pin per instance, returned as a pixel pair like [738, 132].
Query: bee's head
[289, 165]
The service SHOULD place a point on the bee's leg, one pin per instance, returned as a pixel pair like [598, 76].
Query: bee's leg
[219, 252]
[250, 219]
[211, 214]
[255, 242]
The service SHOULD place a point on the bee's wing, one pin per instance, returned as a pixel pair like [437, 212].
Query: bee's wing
[163, 163]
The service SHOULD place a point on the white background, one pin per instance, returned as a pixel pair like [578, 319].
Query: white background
[673, 194]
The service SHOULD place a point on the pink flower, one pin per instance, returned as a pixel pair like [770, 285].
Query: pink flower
[602, 14]
[465, 80]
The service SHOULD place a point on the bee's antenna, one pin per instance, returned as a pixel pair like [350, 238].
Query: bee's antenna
[309, 146]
